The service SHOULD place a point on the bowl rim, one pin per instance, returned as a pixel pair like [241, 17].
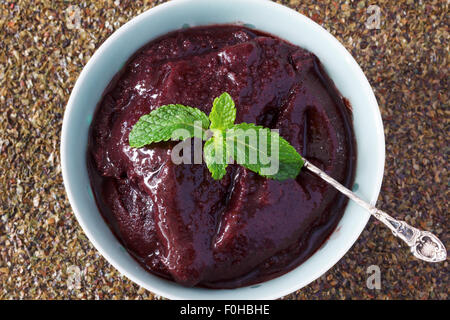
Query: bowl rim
[166, 292]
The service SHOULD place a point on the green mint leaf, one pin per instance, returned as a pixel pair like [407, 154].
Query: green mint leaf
[263, 151]
[254, 147]
[162, 124]
[223, 112]
[215, 157]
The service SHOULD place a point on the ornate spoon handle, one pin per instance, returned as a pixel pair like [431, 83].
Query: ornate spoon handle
[424, 245]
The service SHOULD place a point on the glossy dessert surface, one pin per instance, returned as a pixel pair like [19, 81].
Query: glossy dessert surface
[176, 220]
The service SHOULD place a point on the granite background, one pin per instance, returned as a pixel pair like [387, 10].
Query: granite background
[44, 254]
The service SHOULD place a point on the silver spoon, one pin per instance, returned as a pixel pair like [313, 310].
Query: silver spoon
[424, 245]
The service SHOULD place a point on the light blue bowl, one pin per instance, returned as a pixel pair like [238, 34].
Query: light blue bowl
[262, 15]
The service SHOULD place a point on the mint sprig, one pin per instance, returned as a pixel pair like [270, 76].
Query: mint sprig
[259, 149]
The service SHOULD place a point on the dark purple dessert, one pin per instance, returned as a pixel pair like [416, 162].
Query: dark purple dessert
[176, 220]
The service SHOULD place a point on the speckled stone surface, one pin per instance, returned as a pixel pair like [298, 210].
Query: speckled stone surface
[44, 45]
